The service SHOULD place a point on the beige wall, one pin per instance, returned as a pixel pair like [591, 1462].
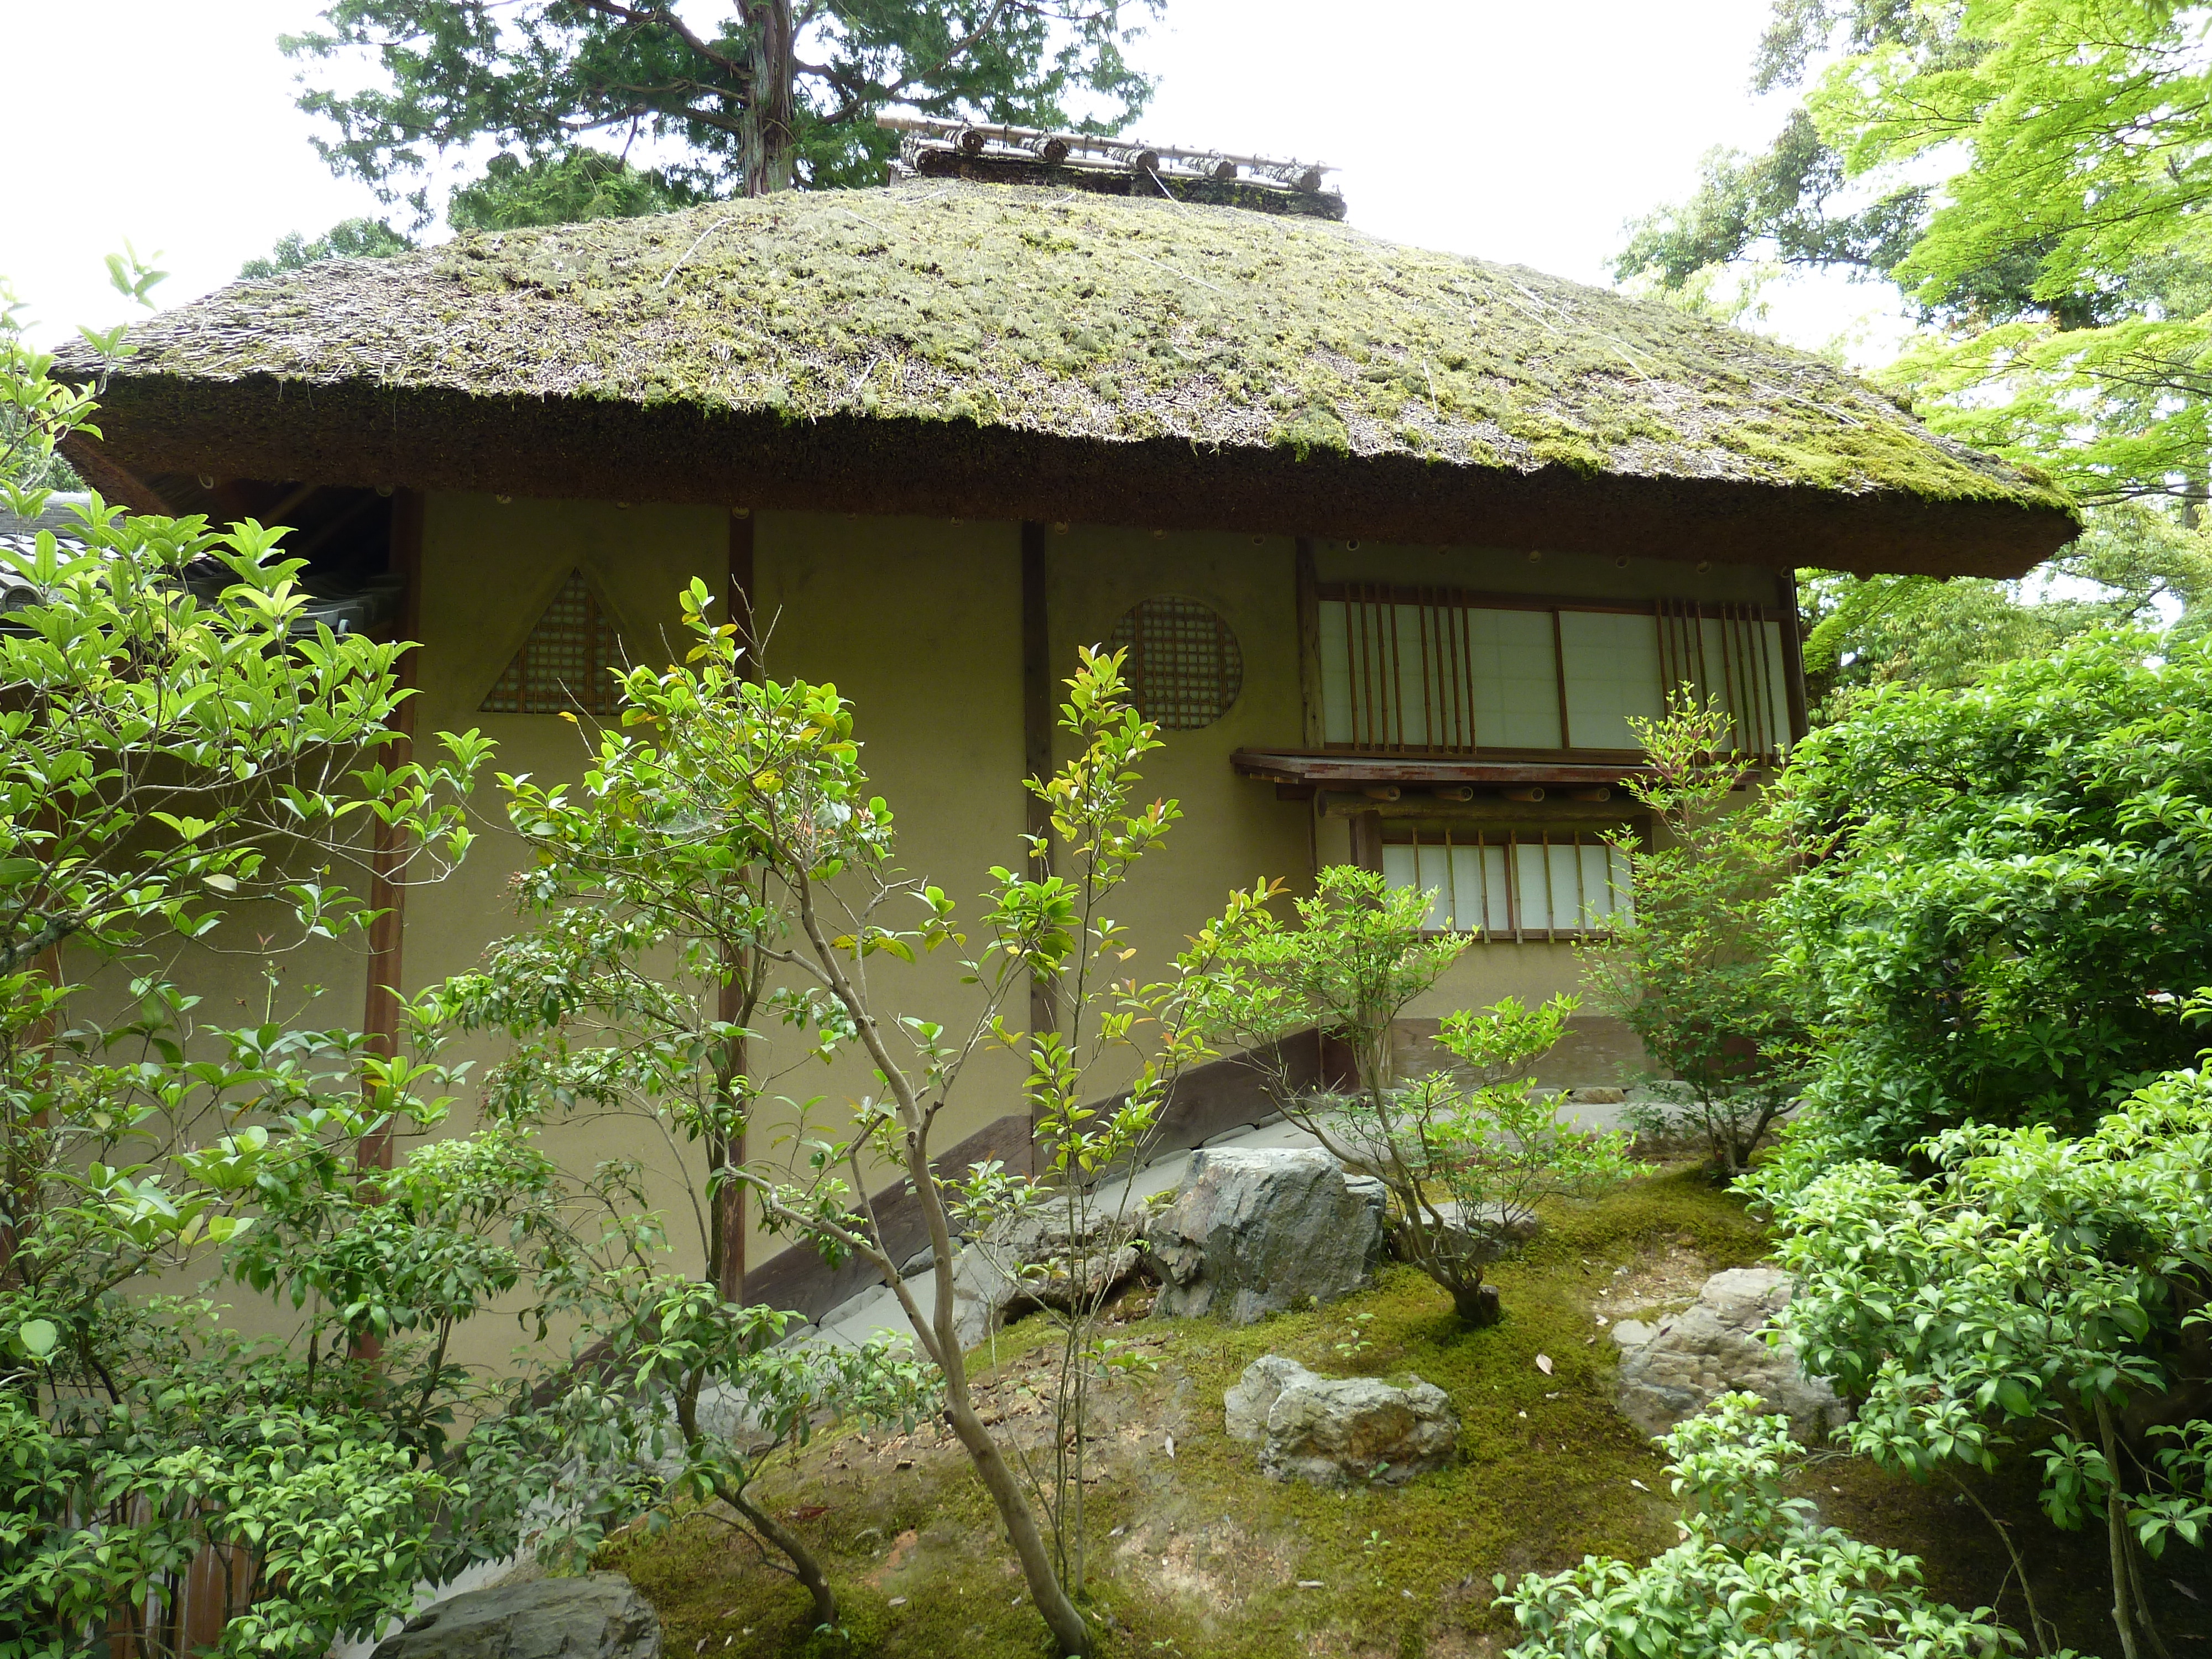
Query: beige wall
[1564, 575]
[488, 569]
[918, 622]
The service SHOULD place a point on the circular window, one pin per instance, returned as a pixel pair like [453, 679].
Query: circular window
[1183, 667]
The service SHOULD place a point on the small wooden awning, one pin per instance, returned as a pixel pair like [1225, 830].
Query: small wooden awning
[1310, 768]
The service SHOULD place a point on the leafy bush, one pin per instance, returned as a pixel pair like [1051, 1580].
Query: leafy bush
[1689, 970]
[1463, 1151]
[724, 864]
[2007, 890]
[2036, 1291]
[1755, 1573]
[176, 741]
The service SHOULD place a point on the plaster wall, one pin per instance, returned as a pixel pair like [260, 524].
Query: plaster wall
[918, 622]
[488, 569]
[1623, 576]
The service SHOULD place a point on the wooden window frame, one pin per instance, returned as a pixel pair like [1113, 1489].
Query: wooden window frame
[1509, 838]
[1747, 670]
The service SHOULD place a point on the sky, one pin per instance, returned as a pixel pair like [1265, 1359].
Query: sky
[1514, 132]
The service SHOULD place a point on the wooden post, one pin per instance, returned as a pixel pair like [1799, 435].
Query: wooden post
[1367, 840]
[1310, 687]
[1560, 667]
[1036, 743]
[726, 1244]
[1793, 656]
[387, 894]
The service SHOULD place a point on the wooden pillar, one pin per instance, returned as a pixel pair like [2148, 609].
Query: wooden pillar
[387, 893]
[1309, 688]
[1793, 656]
[1037, 741]
[1367, 840]
[727, 1245]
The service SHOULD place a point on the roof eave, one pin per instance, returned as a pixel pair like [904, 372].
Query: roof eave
[359, 434]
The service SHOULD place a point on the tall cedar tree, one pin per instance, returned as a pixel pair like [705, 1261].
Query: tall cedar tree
[778, 93]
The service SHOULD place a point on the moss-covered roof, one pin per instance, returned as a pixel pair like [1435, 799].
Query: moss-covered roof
[1068, 316]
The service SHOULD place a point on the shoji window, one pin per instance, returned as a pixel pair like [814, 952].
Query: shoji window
[1418, 669]
[1518, 884]
[1733, 656]
[1433, 671]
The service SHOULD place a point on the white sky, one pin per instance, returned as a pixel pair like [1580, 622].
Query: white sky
[1511, 131]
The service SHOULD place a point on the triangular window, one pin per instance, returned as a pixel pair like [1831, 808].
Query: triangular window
[564, 663]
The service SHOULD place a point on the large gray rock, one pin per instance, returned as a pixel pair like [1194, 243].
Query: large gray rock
[1675, 1369]
[1334, 1431]
[598, 1617]
[1048, 1258]
[1255, 1231]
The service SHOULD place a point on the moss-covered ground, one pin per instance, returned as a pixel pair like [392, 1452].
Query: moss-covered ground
[1194, 1552]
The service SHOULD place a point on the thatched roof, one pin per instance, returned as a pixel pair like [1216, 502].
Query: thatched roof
[964, 348]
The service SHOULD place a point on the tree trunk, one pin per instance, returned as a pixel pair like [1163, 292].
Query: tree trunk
[1067, 1626]
[1477, 1303]
[2116, 1539]
[803, 1566]
[764, 149]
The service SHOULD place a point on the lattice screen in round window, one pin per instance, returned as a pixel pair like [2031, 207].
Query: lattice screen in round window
[1183, 667]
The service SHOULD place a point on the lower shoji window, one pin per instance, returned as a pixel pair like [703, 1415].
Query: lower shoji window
[1513, 885]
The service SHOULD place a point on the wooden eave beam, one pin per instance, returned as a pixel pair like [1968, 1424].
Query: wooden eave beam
[1356, 771]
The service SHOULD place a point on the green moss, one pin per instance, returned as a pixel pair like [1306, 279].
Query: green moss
[1200, 1556]
[1409, 1567]
[1084, 316]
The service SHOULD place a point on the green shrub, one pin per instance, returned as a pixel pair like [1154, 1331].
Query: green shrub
[1689, 970]
[2006, 886]
[2036, 1291]
[1755, 1572]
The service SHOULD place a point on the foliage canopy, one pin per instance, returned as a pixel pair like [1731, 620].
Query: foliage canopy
[767, 95]
[2006, 890]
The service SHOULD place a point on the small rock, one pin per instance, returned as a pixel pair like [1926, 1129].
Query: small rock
[600, 1616]
[1674, 1370]
[1252, 1396]
[1331, 1432]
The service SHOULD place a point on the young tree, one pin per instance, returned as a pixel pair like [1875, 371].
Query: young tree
[1690, 971]
[770, 95]
[1755, 1572]
[740, 1397]
[2035, 1292]
[1463, 1152]
[178, 742]
[2002, 894]
[729, 832]
[2036, 170]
